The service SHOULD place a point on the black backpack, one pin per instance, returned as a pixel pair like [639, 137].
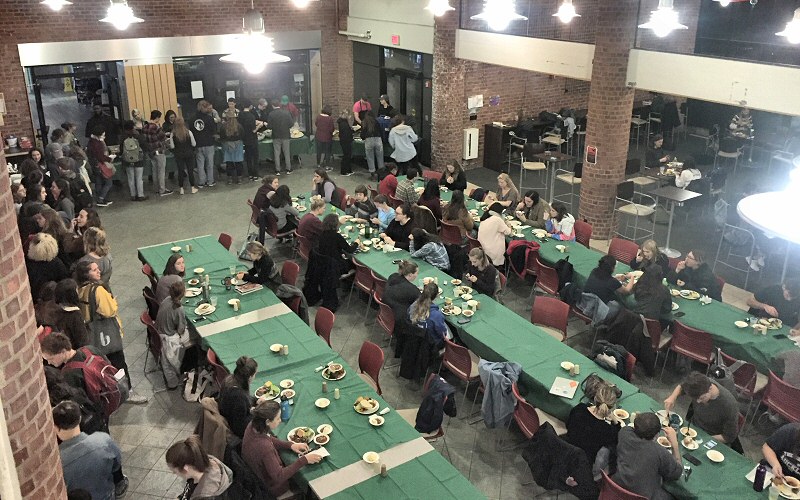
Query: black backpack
[565, 271]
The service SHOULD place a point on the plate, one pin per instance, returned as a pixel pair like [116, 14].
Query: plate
[325, 429]
[327, 375]
[715, 456]
[308, 435]
[199, 270]
[771, 323]
[274, 392]
[372, 406]
[371, 457]
[322, 439]
[376, 420]
[454, 311]
[741, 324]
[519, 235]
[288, 393]
[366, 243]
[785, 489]
[690, 294]
[462, 289]
[675, 292]
[690, 444]
[287, 383]
[567, 365]
[621, 414]
[663, 441]
[468, 313]
[466, 296]
[193, 292]
[560, 247]
[455, 282]
[675, 306]
[688, 431]
[301, 208]
[322, 403]
[193, 281]
[204, 309]
[176, 249]
[662, 414]
[427, 279]
[276, 347]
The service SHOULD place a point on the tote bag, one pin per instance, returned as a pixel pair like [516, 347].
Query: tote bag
[106, 334]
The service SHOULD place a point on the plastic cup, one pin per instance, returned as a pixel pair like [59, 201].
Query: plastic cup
[232, 270]
[214, 301]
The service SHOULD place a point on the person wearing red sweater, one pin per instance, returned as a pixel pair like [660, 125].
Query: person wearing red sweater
[260, 449]
[324, 137]
[388, 185]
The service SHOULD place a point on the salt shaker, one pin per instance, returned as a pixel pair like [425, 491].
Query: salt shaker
[324, 386]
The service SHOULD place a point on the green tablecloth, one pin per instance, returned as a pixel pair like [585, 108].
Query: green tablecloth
[431, 475]
[708, 480]
[358, 148]
[300, 146]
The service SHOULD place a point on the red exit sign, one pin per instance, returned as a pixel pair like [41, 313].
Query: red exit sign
[395, 39]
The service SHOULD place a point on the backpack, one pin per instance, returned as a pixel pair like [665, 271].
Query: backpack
[100, 380]
[132, 150]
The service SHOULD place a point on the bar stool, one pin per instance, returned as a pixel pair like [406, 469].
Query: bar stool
[572, 179]
[553, 140]
[515, 144]
[637, 122]
[532, 166]
[653, 118]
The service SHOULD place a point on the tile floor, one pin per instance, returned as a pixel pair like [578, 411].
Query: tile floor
[145, 432]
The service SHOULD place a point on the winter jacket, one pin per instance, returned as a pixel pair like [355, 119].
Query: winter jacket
[518, 251]
[212, 428]
[324, 125]
[498, 400]
[204, 128]
[399, 295]
[247, 119]
[702, 277]
[402, 139]
[214, 484]
[281, 122]
[345, 131]
[437, 402]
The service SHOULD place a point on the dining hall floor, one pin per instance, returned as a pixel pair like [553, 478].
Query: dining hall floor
[145, 432]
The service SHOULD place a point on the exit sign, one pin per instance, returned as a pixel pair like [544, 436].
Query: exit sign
[395, 39]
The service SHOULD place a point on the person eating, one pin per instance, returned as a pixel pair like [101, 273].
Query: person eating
[782, 451]
[777, 301]
[648, 254]
[694, 273]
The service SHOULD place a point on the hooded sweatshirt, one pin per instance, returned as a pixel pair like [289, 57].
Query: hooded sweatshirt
[402, 139]
[216, 480]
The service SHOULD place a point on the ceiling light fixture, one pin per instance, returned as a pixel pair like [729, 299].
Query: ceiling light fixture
[566, 12]
[302, 4]
[663, 20]
[56, 5]
[439, 7]
[792, 30]
[498, 14]
[254, 50]
[120, 15]
[723, 3]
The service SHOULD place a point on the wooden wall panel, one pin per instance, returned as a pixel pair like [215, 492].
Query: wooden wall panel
[151, 87]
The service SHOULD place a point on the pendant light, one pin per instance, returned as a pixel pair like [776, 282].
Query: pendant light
[120, 15]
[56, 5]
[663, 20]
[254, 49]
[498, 14]
[301, 4]
[566, 12]
[792, 30]
[439, 7]
[723, 3]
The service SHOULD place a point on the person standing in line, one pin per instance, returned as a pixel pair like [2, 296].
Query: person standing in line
[345, 141]
[250, 125]
[156, 141]
[324, 138]
[232, 146]
[204, 128]
[183, 150]
[290, 107]
[97, 152]
[281, 122]
[107, 125]
[132, 153]
[373, 144]
[402, 139]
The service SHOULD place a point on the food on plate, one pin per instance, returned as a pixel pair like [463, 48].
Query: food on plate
[364, 404]
[268, 389]
[376, 420]
[325, 429]
[288, 393]
[771, 323]
[468, 313]
[371, 457]
[621, 414]
[322, 439]
[689, 432]
[301, 435]
[334, 371]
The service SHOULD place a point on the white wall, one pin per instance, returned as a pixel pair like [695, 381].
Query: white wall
[383, 18]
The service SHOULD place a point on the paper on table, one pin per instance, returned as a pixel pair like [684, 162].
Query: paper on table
[752, 475]
[564, 387]
[321, 451]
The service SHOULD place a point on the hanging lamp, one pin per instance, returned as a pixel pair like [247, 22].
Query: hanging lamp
[56, 5]
[439, 7]
[120, 15]
[792, 30]
[566, 12]
[254, 50]
[499, 14]
[664, 20]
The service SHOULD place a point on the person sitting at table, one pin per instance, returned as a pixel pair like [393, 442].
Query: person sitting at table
[310, 226]
[264, 268]
[428, 247]
[642, 463]
[285, 213]
[507, 194]
[714, 408]
[388, 184]
[399, 229]
[655, 156]
[430, 199]
[260, 449]
[171, 326]
[532, 210]
[694, 273]
[456, 213]
[685, 174]
[650, 297]
[385, 215]
[481, 274]
[742, 121]
[454, 177]
[406, 192]
[235, 398]
[593, 427]
[322, 185]
[782, 451]
[266, 191]
[601, 281]
[648, 254]
[425, 314]
[205, 475]
[362, 209]
[777, 301]
[561, 224]
[174, 271]
[492, 234]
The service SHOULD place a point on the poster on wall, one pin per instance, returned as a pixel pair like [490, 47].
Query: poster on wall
[591, 155]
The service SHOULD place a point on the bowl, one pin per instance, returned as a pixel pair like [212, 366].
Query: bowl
[325, 429]
[371, 457]
[741, 324]
[287, 383]
[468, 313]
[193, 281]
[715, 456]
[199, 270]
[176, 249]
[376, 420]
[322, 403]
[689, 432]
[663, 441]
[322, 439]
[466, 296]
[276, 347]
[621, 414]
[567, 365]
[560, 247]
[288, 393]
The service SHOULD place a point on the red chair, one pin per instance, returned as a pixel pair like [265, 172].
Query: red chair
[370, 362]
[432, 174]
[546, 278]
[693, 343]
[289, 273]
[272, 227]
[623, 250]
[294, 305]
[529, 418]
[303, 247]
[378, 286]
[583, 232]
[530, 264]
[609, 490]
[472, 243]
[746, 379]
[148, 271]
[461, 362]
[153, 341]
[220, 372]
[498, 294]
[362, 281]
[552, 314]
[410, 414]
[323, 324]
[782, 398]
[630, 363]
[672, 262]
[721, 283]
[225, 240]
[659, 339]
[255, 212]
[340, 195]
[451, 234]
[394, 201]
[385, 318]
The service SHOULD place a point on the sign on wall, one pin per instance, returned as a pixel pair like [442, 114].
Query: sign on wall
[591, 155]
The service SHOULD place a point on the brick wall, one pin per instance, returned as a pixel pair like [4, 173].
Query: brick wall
[610, 106]
[26, 21]
[22, 386]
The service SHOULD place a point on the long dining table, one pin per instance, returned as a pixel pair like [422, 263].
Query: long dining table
[414, 468]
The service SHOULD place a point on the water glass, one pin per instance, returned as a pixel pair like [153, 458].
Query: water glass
[214, 301]
[232, 269]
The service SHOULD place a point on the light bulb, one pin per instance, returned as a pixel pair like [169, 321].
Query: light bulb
[724, 3]
[498, 14]
[302, 4]
[255, 67]
[663, 20]
[120, 15]
[439, 7]
[55, 5]
[566, 12]
[792, 31]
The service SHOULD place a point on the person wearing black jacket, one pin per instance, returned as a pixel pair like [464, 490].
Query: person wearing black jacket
[235, 399]
[263, 269]
[481, 274]
[345, 141]
[453, 177]
[399, 294]
[655, 156]
[204, 127]
[694, 273]
[105, 122]
[398, 231]
[250, 124]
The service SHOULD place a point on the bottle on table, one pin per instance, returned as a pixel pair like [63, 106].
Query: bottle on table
[758, 480]
[286, 410]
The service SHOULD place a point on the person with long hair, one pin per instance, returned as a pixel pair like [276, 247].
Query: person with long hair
[183, 150]
[331, 249]
[35, 195]
[428, 247]
[285, 213]
[532, 210]
[50, 222]
[385, 214]
[373, 143]
[42, 262]
[37, 156]
[171, 326]
[324, 126]
[648, 254]
[322, 185]
[231, 134]
[481, 274]
[655, 156]
[260, 449]
[235, 397]
[425, 314]
[782, 451]
[96, 249]
[601, 281]
[453, 177]
[174, 271]
[207, 478]
[561, 224]
[73, 243]
[594, 426]
[263, 269]
[456, 213]
[650, 297]
[63, 198]
[18, 193]
[431, 199]
[400, 293]
[265, 192]
[492, 234]
[402, 138]
[67, 315]
[97, 152]
[169, 121]
[507, 194]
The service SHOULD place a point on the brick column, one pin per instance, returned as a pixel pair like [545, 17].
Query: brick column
[449, 105]
[22, 387]
[610, 107]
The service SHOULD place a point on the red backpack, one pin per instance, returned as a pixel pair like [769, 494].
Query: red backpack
[101, 384]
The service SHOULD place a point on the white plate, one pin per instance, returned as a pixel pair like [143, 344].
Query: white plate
[193, 292]
[371, 457]
[327, 376]
[675, 306]
[741, 324]
[715, 456]
[662, 414]
[663, 441]
[288, 393]
[688, 431]
[308, 440]
[325, 429]
[376, 420]
[692, 446]
[322, 403]
[199, 270]
[322, 439]
[204, 309]
[287, 383]
[276, 347]
[468, 313]
[453, 312]
[193, 281]
[176, 249]
[370, 411]
[621, 414]
[455, 282]
[270, 395]
[567, 365]
[466, 296]
[560, 247]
